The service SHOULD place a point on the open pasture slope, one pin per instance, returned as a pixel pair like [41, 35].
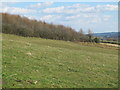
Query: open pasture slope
[41, 63]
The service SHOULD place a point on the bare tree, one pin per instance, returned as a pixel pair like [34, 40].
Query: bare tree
[81, 32]
[90, 34]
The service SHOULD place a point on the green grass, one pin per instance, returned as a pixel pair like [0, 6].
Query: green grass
[42, 63]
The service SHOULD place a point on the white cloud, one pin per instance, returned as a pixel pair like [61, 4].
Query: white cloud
[47, 17]
[78, 8]
[89, 19]
[95, 20]
[40, 5]
[106, 17]
[15, 10]
[79, 16]
[29, 17]
[72, 17]
[51, 18]
[63, 9]
[54, 10]
[107, 7]
[19, 10]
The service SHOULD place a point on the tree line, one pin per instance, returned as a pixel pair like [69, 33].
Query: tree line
[22, 26]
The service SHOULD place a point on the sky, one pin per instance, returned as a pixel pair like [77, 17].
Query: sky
[98, 16]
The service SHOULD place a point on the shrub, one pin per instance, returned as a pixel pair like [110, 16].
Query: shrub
[97, 40]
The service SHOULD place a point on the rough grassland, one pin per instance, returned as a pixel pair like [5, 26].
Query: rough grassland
[41, 63]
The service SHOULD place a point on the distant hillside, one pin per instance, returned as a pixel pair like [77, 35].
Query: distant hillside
[108, 35]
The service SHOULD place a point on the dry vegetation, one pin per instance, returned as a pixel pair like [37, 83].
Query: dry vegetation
[102, 45]
[15, 24]
[22, 26]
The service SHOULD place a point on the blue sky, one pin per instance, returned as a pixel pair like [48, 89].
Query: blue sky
[97, 16]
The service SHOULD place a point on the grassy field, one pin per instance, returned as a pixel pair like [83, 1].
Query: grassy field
[42, 63]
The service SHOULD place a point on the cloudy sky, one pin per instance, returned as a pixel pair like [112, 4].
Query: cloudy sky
[97, 16]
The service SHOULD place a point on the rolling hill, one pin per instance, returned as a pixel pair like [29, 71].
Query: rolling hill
[30, 62]
[108, 35]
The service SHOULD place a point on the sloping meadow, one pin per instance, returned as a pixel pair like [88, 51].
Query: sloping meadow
[41, 63]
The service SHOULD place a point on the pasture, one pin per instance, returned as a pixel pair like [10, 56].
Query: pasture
[29, 62]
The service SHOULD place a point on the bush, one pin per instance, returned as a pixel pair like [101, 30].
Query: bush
[97, 40]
